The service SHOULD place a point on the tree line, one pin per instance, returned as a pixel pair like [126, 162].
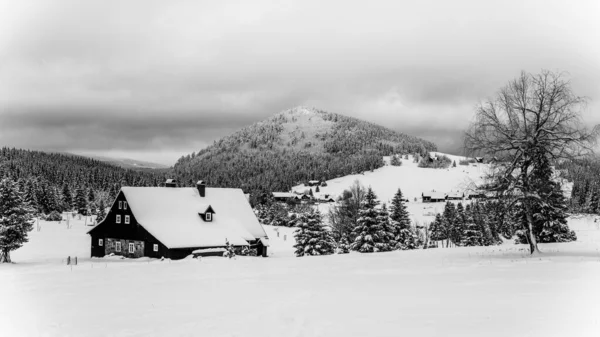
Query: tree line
[52, 182]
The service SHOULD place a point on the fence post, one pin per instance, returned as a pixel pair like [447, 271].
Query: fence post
[285, 237]
[68, 260]
[75, 260]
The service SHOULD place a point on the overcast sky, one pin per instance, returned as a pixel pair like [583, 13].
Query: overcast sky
[155, 80]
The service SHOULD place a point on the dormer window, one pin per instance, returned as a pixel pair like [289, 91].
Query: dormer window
[207, 213]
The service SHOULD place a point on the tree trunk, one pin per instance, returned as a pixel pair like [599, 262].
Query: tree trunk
[5, 256]
[533, 248]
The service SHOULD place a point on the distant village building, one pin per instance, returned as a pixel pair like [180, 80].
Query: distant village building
[173, 222]
[476, 195]
[479, 159]
[285, 196]
[433, 196]
[455, 196]
[314, 182]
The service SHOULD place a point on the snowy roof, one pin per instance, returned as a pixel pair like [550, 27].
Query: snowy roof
[209, 250]
[455, 194]
[171, 215]
[434, 195]
[314, 181]
[283, 195]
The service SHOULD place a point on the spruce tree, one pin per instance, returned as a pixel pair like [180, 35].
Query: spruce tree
[81, 204]
[101, 211]
[406, 238]
[472, 235]
[594, 207]
[550, 216]
[229, 250]
[91, 197]
[369, 233]
[436, 229]
[15, 219]
[30, 195]
[388, 228]
[449, 221]
[343, 245]
[312, 237]
[67, 197]
[398, 212]
[460, 221]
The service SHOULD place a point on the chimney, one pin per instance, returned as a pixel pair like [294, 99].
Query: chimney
[201, 186]
[171, 183]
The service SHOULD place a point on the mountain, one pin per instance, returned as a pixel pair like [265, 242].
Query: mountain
[294, 146]
[129, 163]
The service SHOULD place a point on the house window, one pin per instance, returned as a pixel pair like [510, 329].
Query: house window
[208, 216]
[118, 246]
[120, 204]
[124, 204]
[131, 248]
[118, 218]
[127, 219]
[155, 247]
[100, 242]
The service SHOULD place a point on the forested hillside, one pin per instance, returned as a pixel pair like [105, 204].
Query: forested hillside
[59, 182]
[585, 175]
[294, 146]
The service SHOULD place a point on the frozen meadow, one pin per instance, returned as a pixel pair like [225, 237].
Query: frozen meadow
[478, 291]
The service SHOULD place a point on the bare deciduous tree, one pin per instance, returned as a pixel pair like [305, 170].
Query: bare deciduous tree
[535, 114]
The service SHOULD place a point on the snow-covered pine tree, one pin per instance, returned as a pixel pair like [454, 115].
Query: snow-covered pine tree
[343, 245]
[67, 197]
[388, 228]
[436, 229]
[550, 217]
[101, 211]
[395, 161]
[30, 195]
[81, 204]
[229, 250]
[91, 195]
[312, 237]
[472, 235]
[368, 232]
[406, 238]
[15, 219]
[398, 212]
[594, 207]
[459, 225]
[449, 222]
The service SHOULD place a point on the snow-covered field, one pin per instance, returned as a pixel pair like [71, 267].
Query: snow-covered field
[413, 181]
[478, 291]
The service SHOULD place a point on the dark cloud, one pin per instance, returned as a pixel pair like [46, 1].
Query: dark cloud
[160, 79]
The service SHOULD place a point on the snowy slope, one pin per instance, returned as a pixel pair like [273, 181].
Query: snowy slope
[476, 291]
[413, 181]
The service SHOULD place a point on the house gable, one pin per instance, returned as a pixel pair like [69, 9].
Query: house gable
[115, 228]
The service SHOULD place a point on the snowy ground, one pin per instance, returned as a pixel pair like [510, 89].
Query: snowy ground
[413, 181]
[494, 291]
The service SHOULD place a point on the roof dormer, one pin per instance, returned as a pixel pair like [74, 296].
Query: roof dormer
[207, 213]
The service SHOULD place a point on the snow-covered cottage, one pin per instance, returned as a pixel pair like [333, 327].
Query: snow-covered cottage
[455, 195]
[285, 196]
[433, 196]
[314, 182]
[172, 222]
